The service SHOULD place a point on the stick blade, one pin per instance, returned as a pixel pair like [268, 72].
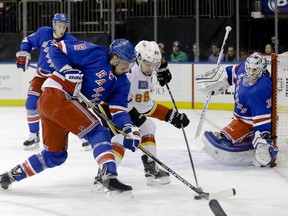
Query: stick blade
[222, 194]
[198, 143]
[216, 208]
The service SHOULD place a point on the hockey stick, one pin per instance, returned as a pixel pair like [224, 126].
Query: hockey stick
[185, 137]
[203, 113]
[216, 208]
[216, 195]
[35, 67]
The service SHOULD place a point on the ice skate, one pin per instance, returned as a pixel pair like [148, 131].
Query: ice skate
[7, 178]
[98, 183]
[32, 142]
[86, 145]
[154, 175]
[108, 183]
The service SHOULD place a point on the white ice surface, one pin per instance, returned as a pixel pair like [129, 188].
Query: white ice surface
[66, 190]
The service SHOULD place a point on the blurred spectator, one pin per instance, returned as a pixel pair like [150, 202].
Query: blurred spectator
[244, 53]
[213, 57]
[195, 49]
[177, 55]
[230, 56]
[268, 49]
[281, 47]
[165, 56]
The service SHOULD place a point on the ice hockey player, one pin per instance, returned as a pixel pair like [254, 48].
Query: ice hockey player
[42, 39]
[142, 105]
[247, 139]
[100, 75]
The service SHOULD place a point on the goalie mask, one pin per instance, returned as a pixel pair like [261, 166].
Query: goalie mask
[60, 24]
[255, 66]
[148, 56]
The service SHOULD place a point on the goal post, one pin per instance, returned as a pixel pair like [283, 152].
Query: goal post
[279, 118]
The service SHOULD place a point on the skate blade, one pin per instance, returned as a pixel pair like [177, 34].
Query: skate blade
[119, 195]
[31, 147]
[6, 187]
[87, 148]
[98, 188]
[151, 181]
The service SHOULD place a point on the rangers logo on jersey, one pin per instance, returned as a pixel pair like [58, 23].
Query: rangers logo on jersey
[80, 47]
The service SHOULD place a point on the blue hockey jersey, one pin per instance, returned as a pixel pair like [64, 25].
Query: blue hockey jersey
[42, 40]
[252, 104]
[99, 83]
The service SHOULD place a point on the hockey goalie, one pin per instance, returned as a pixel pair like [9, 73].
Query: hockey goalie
[247, 139]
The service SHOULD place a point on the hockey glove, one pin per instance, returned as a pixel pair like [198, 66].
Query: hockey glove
[177, 119]
[73, 81]
[215, 81]
[265, 153]
[23, 60]
[163, 74]
[132, 141]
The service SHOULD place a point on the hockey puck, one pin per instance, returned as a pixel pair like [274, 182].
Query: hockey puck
[198, 197]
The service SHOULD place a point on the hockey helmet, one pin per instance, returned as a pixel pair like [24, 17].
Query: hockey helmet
[126, 55]
[58, 17]
[123, 49]
[148, 56]
[255, 66]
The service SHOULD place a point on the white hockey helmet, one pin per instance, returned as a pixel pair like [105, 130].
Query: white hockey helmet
[255, 66]
[148, 56]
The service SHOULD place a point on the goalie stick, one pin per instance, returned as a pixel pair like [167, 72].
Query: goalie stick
[205, 107]
[216, 208]
[216, 195]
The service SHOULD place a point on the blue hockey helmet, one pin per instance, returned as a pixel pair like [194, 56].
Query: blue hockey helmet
[58, 17]
[123, 49]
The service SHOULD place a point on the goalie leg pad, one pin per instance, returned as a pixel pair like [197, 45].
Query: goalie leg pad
[224, 151]
[237, 131]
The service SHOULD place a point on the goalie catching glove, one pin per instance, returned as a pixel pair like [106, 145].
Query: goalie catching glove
[132, 141]
[177, 119]
[73, 81]
[163, 74]
[265, 153]
[215, 81]
[23, 60]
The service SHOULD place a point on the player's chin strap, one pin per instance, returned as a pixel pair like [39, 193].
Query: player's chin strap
[216, 195]
[185, 137]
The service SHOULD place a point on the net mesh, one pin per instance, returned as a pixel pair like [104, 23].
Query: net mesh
[281, 119]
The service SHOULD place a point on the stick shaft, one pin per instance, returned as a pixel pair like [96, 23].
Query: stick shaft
[185, 137]
[111, 123]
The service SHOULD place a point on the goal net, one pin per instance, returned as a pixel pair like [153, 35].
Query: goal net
[279, 70]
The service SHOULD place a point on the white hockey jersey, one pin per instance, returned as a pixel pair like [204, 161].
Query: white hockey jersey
[141, 89]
